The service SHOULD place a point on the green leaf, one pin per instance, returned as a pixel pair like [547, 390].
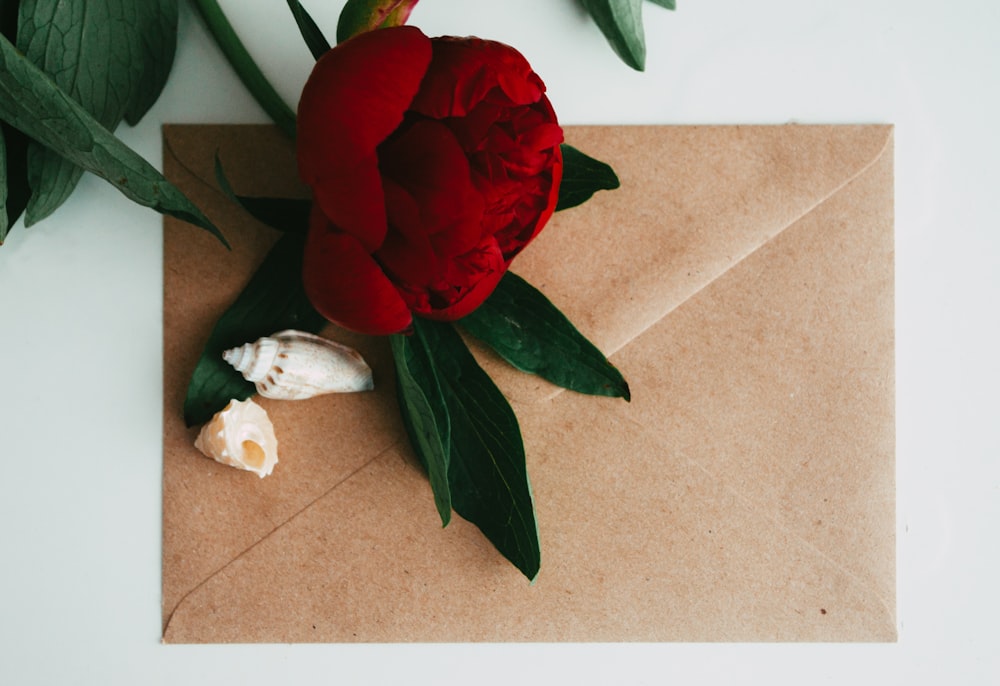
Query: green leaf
[14, 190]
[33, 103]
[12, 167]
[272, 301]
[159, 43]
[110, 56]
[282, 214]
[8, 19]
[669, 4]
[528, 331]
[315, 40]
[359, 16]
[487, 471]
[582, 177]
[5, 220]
[621, 23]
[425, 415]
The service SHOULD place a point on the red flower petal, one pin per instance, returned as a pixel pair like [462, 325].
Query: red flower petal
[551, 200]
[407, 254]
[464, 71]
[352, 199]
[483, 268]
[346, 285]
[355, 97]
[537, 201]
[428, 162]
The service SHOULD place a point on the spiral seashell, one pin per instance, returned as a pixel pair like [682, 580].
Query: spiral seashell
[294, 365]
[241, 436]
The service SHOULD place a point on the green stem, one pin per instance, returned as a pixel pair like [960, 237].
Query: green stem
[248, 71]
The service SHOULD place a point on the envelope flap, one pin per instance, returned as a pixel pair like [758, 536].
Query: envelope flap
[776, 381]
[693, 202]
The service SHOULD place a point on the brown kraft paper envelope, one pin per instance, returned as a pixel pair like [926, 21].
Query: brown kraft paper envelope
[742, 280]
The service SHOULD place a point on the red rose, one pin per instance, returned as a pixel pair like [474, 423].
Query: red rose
[433, 162]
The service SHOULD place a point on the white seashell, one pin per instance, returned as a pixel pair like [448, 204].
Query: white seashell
[241, 436]
[294, 365]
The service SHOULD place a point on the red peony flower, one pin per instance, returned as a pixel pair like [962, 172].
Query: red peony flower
[433, 162]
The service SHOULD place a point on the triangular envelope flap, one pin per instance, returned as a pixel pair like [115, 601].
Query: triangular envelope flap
[693, 202]
[776, 381]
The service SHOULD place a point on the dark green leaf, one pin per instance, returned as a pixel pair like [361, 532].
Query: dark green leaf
[159, 43]
[282, 214]
[425, 416]
[582, 177]
[621, 23]
[52, 179]
[13, 177]
[487, 471]
[14, 190]
[359, 16]
[669, 4]
[272, 301]
[5, 220]
[110, 56]
[13, 174]
[315, 40]
[528, 331]
[31, 102]
[8, 19]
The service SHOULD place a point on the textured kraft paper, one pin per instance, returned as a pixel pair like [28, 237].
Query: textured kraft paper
[742, 280]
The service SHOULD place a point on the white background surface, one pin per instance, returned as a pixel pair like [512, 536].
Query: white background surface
[80, 345]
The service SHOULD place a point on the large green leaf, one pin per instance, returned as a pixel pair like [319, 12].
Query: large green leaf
[32, 102]
[486, 471]
[621, 23]
[272, 301]
[111, 56]
[582, 177]
[424, 412]
[527, 330]
[669, 4]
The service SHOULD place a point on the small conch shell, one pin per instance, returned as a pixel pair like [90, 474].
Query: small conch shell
[241, 436]
[294, 365]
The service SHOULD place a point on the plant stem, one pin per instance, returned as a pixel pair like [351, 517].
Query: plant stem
[248, 71]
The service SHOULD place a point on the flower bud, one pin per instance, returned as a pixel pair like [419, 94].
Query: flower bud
[359, 16]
